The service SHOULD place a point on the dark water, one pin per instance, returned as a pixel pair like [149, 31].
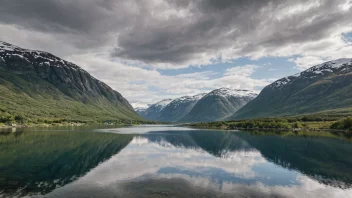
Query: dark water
[162, 161]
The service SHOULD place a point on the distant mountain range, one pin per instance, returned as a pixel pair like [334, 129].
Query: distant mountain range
[324, 87]
[154, 110]
[218, 105]
[38, 86]
[179, 108]
[213, 106]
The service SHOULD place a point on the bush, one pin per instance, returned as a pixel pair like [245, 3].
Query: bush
[6, 118]
[297, 125]
[345, 124]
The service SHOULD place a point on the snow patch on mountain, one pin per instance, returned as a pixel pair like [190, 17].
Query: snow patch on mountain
[13, 48]
[186, 99]
[189, 98]
[342, 64]
[140, 109]
[199, 96]
[227, 92]
[6, 46]
[162, 104]
[9, 51]
[283, 81]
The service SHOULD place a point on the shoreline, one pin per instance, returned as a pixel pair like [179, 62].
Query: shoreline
[269, 129]
[40, 125]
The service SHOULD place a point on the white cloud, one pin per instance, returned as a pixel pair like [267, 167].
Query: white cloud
[140, 105]
[318, 52]
[143, 159]
[134, 82]
[179, 34]
[306, 62]
[346, 5]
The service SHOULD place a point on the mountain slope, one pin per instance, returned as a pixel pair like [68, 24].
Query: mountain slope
[140, 110]
[323, 87]
[219, 104]
[38, 85]
[178, 108]
[153, 111]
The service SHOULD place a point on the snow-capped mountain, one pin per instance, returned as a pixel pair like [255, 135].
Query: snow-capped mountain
[339, 65]
[179, 107]
[185, 99]
[153, 111]
[228, 92]
[219, 104]
[36, 73]
[322, 87]
[140, 107]
[162, 104]
[140, 110]
[216, 105]
[170, 110]
[30, 57]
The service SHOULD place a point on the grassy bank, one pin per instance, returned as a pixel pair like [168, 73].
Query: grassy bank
[64, 122]
[285, 123]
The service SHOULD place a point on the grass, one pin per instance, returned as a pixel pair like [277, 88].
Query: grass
[321, 121]
[30, 100]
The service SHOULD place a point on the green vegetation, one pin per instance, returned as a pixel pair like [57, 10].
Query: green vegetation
[30, 100]
[344, 124]
[304, 122]
[303, 95]
[303, 133]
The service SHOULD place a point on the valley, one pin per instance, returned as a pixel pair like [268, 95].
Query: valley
[175, 98]
[39, 88]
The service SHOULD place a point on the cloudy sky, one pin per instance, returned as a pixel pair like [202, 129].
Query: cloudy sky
[154, 49]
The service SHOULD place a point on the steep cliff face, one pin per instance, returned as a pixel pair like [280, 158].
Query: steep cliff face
[71, 80]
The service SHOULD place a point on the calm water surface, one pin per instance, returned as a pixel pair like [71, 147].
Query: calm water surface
[165, 161]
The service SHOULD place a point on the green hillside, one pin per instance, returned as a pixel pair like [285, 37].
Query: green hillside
[38, 87]
[326, 87]
[29, 99]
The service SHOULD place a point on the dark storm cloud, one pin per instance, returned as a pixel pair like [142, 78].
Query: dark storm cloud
[179, 31]
[243, 26]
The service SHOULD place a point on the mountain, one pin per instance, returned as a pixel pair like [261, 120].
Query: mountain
[153, 111]
[140, 110]
[140, 107]
[179, 108]
[40, 87]
[219, 104]
[327, 86]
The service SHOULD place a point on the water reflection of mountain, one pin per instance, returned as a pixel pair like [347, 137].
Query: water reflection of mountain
[38, 162]
[214, 142]
[324, 159]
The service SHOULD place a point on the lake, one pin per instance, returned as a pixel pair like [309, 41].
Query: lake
[168, 161]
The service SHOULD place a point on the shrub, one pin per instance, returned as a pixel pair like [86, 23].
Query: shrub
[343, 124]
